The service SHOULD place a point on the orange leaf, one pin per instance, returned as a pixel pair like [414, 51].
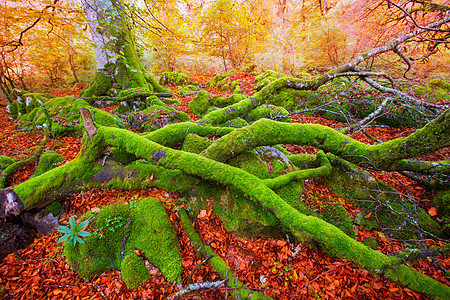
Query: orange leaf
[57, 292]
[202, 214]
[281, 243]
[432, 211]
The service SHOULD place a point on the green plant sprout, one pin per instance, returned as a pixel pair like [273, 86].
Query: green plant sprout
[73, 234]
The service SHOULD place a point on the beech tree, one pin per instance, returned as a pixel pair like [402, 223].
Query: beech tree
[233, 154]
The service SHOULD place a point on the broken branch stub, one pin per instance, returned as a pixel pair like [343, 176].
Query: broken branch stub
[88, 122]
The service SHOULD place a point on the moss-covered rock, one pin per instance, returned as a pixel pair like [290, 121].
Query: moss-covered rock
[222, 81]
[200, 104]
[188, 90]
[267, 77]
[119, 230]
[174, 78]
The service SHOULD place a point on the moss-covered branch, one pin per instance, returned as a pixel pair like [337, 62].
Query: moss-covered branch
[435, 135]
[176, 133]
[323, 170]
[14, 167]
[442, 167]
[238, 290]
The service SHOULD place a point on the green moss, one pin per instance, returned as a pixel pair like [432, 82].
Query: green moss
[439, 83]
[5, 161]
[236, 123]
[122, 156]
[371, 242]
[13, 110]
[200, 104]
[54, 208]
[337, 215]
[442, 203]
[188, 90]
[134, 272]
[436, 91]
[268, 112]
[174, 78]
[49, 160]
[99, 87]
[172, 101]
[266, 78]
[195, 144]
[220, 80]
[221, 101]
[143, 226]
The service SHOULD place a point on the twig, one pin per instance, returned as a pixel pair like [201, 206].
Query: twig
[199, 286]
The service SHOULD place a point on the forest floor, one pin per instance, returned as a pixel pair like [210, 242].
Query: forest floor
[279, 268]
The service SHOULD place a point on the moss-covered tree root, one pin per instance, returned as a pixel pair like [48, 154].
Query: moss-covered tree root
[238, 290]
[15, 166]
[332, 239]
[435, 135]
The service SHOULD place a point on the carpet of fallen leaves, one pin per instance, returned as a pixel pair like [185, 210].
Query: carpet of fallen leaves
[278, 268]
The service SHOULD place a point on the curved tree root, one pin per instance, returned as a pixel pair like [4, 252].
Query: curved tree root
[386, 156]
[332, 239]
[238, 290]
[14, 167]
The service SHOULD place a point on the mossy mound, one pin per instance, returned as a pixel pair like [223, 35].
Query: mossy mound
[200, 104]
[269, 112]
[235, 123]
[204, 102]
[435, 90]
[195, 143]
[174, 78]
[61, 115]
[222, 82]
[188, 90]
[291, 99]
[49, 160]
[155, 117]
[267, 77]
[120, 230]
[439, 83]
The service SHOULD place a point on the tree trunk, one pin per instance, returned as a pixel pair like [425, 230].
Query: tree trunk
[115, 50]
